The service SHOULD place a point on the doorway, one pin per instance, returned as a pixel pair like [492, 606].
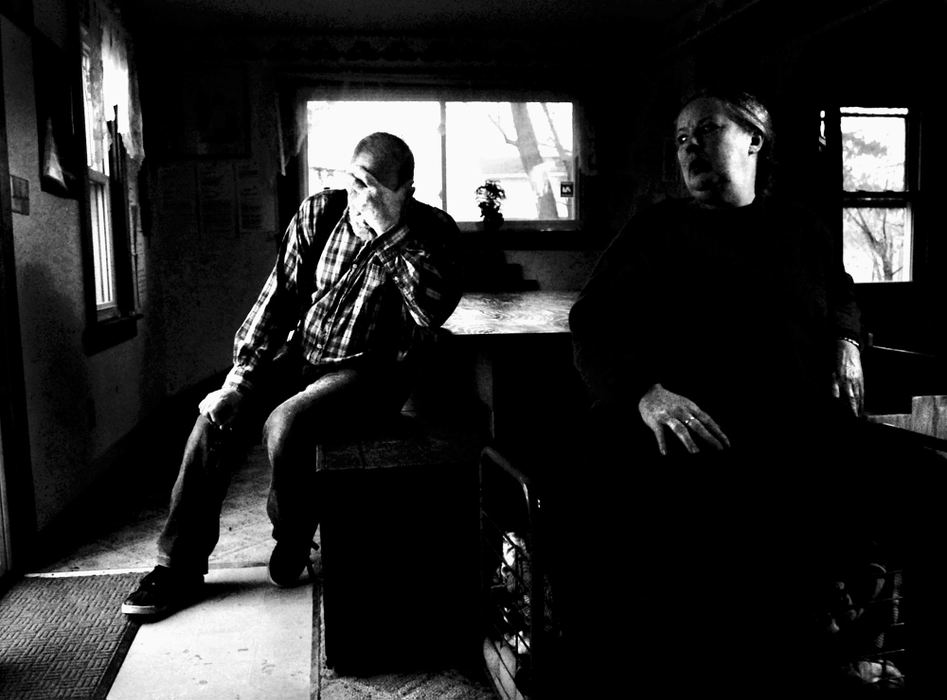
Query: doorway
[16, 488]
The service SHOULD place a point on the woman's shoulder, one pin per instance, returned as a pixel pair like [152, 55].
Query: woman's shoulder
[669, 206]
[791, 212]
[656, 216]
[660, 213]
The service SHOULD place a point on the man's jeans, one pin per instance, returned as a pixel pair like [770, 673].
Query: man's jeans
[303, 406]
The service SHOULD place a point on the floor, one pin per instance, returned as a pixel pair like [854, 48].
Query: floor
[125, 539]
[120, 539]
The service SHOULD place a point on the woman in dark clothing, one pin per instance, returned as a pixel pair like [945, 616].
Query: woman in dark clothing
[725, 313]
[724, 479]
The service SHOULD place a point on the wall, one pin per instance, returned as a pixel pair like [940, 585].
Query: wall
[208, 263]
[555, 269]
[79, 406]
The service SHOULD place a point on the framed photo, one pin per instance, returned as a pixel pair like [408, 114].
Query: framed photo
[211, 115]
[59, 150]
[20, 12]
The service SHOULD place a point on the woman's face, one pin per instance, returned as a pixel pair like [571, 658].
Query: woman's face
[716, 154]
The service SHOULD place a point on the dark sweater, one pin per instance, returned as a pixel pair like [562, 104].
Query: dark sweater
[738, 310]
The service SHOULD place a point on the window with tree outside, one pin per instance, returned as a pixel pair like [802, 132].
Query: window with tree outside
[527, 148]
[100, 207]
[877, 193]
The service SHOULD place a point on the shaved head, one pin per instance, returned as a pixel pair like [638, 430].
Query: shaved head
[391, 161]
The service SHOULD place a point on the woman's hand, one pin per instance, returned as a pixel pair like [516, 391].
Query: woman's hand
[848, 382]
[660, 408]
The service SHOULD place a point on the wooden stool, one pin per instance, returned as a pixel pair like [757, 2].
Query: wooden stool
[399, 545]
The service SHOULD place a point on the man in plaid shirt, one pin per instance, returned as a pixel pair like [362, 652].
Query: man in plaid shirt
[362, 275]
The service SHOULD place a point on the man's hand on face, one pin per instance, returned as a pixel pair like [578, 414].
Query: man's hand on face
[377, 205]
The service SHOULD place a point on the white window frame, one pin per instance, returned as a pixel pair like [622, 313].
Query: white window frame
[892, 199]
[103, 245]
[110, 293]
[100, 204]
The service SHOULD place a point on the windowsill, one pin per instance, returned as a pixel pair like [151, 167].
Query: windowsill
[885, 285]
[526, 235]
[109, 333]
[508, 225]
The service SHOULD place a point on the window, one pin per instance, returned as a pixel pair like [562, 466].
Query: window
[112, 147]
[528, 148]
[878, 187]
[103, 255]
[100, 206]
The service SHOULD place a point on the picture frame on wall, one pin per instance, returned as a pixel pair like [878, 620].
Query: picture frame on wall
[211, 115]
[20, 12]
[58, 139]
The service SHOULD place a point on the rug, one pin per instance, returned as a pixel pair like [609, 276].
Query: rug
[63, 636]
[447, 684]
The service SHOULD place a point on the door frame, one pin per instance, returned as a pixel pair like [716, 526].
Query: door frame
[17, 503]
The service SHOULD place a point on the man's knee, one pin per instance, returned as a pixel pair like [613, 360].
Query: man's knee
[277, 431]
[286, 433]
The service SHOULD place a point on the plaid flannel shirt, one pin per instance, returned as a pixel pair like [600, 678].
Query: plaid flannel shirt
[365, 296]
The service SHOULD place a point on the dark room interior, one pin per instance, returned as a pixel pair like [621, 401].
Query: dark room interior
[154, 152]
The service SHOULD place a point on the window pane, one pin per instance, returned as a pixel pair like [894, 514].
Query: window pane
[526, 147]
[876, 248]
[335, 127]
[92, 108]
[873, 149]
[874, 111]
[102, 255]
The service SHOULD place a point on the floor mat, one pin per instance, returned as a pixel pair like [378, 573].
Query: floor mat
[64, 636]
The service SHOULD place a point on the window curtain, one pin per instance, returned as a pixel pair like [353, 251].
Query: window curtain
[113, 81]
[291, 126]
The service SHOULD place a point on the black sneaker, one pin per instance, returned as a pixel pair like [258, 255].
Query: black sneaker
[287, 562]
[162, 592]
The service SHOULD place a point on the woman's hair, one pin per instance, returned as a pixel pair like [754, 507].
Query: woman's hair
[750, 113]
[390, 151]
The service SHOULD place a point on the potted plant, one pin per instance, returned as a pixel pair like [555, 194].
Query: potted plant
[489, 198]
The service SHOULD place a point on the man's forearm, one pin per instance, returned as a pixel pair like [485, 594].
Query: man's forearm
[427, 276]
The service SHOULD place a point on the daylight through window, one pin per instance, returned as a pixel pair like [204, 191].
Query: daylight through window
[876, 194]
[528, 148]
[99, 206]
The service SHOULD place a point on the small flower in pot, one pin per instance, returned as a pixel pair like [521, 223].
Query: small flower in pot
[489, 198]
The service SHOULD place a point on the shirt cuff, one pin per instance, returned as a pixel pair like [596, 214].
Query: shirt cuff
[237, 380]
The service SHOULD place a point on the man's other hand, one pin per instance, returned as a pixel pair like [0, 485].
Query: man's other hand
[220, 407]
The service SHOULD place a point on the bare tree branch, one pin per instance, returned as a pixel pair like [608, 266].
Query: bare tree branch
[496, 122]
